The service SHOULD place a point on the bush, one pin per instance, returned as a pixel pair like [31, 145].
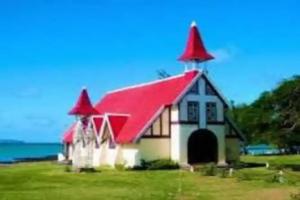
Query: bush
[157, 165]
[68, 168]
[163, 164]
[277, 167]
[295, 196]
[277, 178]
[209, 170]
[120, 167]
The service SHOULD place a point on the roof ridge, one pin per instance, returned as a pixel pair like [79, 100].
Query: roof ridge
[151, 82]
[118, 114]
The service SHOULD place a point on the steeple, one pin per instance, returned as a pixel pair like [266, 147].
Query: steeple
[195, 51]
[83, 107]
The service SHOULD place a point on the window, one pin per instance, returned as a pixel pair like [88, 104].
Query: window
[160, 127]
[209, 90]
[165, 122]
[194, 89]
[211, 112]
[156, 127]
[193, 111]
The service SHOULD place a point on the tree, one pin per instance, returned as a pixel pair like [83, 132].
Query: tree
[274, 117]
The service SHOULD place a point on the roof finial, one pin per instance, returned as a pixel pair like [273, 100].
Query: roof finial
[193, 23]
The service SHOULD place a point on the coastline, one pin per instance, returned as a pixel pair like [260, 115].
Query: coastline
[30, 159]
[11, 153]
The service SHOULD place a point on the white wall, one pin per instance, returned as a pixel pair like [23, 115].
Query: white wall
[175, 142]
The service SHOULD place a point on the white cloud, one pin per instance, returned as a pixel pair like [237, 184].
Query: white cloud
[225, 54]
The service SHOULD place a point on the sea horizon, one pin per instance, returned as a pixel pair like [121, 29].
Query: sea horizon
[12, 152]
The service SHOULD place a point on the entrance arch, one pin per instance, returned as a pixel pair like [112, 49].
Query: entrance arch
[202, 147]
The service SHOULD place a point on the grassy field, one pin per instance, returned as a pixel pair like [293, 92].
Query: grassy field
[50, 181]
[277, 160]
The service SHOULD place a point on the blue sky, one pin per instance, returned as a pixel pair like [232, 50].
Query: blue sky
[50, 49]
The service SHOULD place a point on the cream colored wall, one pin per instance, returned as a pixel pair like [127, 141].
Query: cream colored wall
[146, 149]
[232, 149]
[156, 148]
[219, 131]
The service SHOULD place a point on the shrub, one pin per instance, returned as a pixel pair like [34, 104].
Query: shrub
[120, 167]
[163, 164]
[295, 196]
[209, 169]
[68, 168]
[277, 178]
[278, 167]
[157, 164]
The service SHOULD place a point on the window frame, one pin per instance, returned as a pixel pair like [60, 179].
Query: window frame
[196, 105]
[209, 109]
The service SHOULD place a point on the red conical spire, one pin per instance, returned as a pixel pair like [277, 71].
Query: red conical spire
[195, 50]
[83, 105]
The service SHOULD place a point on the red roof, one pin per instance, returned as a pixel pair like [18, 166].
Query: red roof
[195, 49]
[97, 123]
[83, 105]
[68, 135]
[117, 123]
[141, 104]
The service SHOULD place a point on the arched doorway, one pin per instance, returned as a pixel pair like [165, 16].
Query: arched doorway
[202, 147]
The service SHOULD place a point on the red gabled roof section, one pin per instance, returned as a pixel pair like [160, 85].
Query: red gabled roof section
[195, 49]
[97, 123]
[117, 123]
[83, 105]
[68, 135]
[142, 103]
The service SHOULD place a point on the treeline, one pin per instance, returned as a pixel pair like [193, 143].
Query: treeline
[274, 118]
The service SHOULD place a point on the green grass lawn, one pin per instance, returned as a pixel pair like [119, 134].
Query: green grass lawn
[277, 160]
[50, 181]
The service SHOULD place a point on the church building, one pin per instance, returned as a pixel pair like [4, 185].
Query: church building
[182, 118]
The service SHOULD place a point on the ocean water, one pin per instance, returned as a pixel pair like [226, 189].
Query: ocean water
[12, 152]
